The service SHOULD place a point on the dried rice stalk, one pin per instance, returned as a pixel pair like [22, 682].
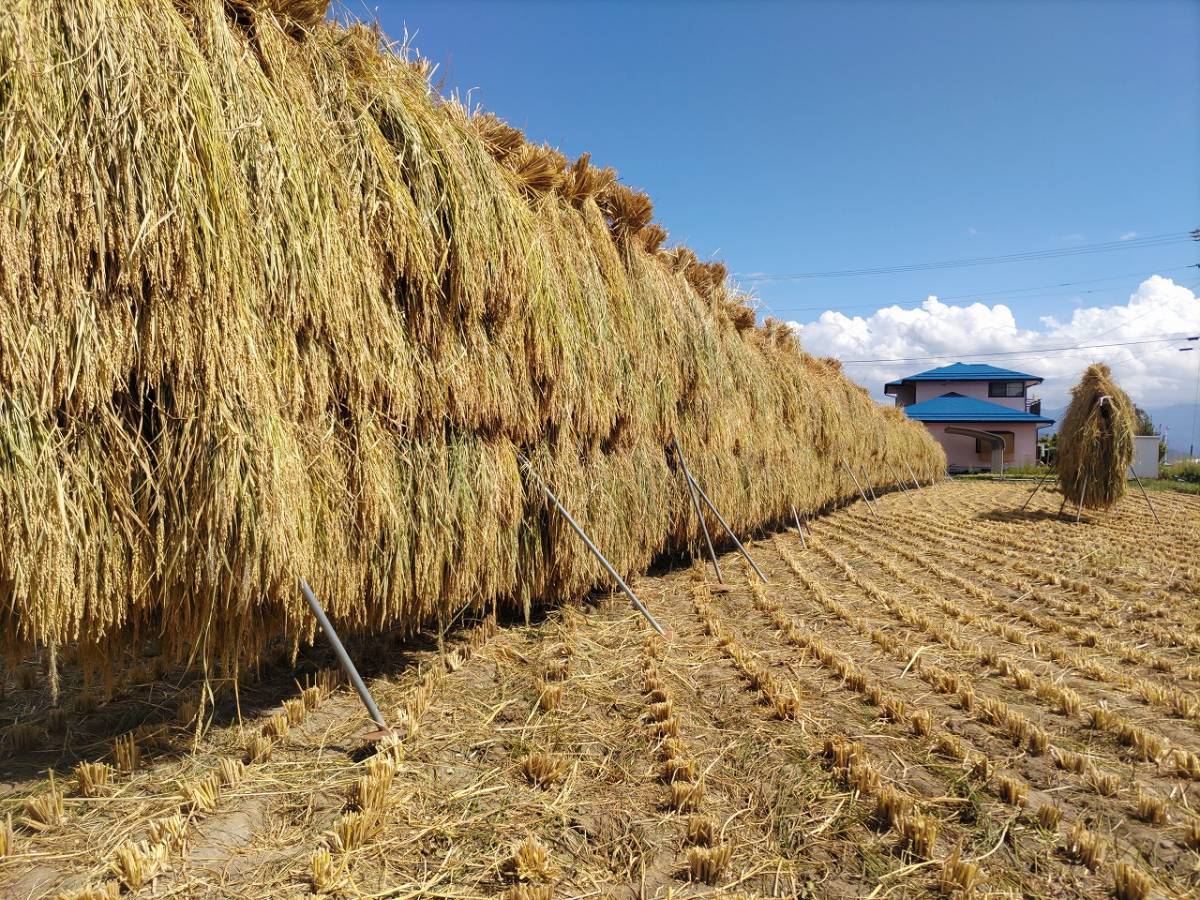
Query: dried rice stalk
[686, 796]
[542, 769]
[93, 779]
[707, 864]
[170, 832]
[1095, 441]
[549, 695]
[258, 749]
[958, 877]
[371, 790]
[530, 892]
[136, 864]
[8, 838]
[295, 710]
[202, 795]
[305, 13]
[701, 831]
[127, 754]
[353, 830]
[232, 771]
[583, 181]
[628, 211]
[326, 874]
[1086, 847]
[918, 835]
[44, 811]
[1129, 882]
[109, 890]
[237, 376]
[501, 139]
[530, 861]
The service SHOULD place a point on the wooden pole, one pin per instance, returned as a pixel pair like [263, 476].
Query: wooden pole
[687, 477]
[633, 598]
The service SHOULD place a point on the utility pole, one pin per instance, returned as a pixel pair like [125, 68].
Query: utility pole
[1196, 399]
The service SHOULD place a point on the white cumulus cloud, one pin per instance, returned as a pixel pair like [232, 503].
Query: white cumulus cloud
[1154, 374]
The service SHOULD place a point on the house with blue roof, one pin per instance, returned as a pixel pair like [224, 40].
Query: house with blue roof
[976, 412]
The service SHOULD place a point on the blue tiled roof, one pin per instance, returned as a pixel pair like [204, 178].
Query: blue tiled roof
[971, 372]
[957, 408]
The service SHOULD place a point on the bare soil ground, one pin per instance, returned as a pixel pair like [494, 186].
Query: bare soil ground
[949, 697]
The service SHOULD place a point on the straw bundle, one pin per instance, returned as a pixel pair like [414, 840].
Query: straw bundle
[271, 308]
[1095, 441]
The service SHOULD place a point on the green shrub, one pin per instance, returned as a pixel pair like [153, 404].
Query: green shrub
[1181, 471]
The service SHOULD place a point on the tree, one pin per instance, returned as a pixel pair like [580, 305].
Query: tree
[1049, 448]
[1145, 426]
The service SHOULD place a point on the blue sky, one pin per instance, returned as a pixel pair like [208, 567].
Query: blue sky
[794, 137]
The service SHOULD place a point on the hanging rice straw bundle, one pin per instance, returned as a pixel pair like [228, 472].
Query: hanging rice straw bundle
[1095, 441]
[291, 313]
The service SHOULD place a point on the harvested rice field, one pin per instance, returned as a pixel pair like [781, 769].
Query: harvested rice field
[947, 698]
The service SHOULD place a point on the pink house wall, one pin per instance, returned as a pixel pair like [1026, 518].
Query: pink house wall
[960, 450]
[928, 390]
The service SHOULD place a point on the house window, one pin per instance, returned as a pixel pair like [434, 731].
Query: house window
[1010, 446]
[1006, 389]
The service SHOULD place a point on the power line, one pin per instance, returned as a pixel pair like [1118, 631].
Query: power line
[1157, 240]
[1024, 350]
[881, 305]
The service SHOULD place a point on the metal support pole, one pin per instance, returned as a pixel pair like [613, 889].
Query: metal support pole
[633, 598]
[913, 474]
[1036, 488]
[687, 477]
[729, 531]
[1144, 494]
[803, 543]
[343, 656]
[899, 480]
[1082, 494]
[861, 492]
[870, 488]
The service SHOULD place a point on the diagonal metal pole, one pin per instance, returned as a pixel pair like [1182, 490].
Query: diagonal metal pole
[687, 477]
[1144, 494]
[633, 598]
[913, 474]
[861, 493]
[343, 656]
[729, 531]
[1036, 488]
[899, 480]
[803, 543]
[870, 488]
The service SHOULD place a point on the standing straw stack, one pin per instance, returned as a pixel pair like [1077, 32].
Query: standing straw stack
[1095, 441]
[272, 308]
